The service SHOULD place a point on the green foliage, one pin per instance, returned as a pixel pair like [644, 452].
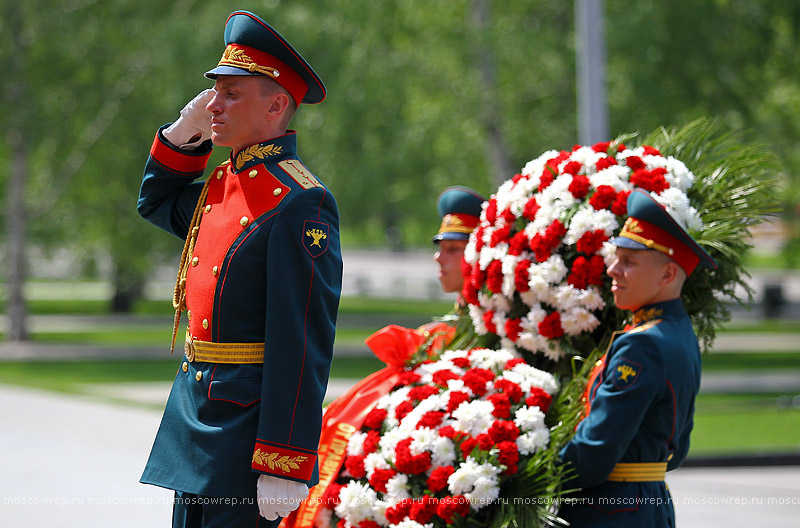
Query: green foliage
[735, 187]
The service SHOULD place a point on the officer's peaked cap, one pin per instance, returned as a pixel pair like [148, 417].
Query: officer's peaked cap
[460, 210]
[650, 226]
[253, 47]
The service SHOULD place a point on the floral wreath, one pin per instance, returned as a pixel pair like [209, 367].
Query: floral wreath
[466, 429]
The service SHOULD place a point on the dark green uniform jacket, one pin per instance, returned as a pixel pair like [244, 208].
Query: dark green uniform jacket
[641, 411]
[266, 268]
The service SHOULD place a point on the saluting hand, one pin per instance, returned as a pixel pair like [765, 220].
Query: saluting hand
[194, 125]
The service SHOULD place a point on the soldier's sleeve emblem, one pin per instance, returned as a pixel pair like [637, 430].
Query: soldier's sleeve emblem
[626, 373]
[315, 237]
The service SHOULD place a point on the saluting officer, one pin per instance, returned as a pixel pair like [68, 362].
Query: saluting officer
[642, 393]
[260, 280]
[460, 210]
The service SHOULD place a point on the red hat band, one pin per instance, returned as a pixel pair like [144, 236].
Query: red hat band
[254, 60]
[458, 223]
[656, 238]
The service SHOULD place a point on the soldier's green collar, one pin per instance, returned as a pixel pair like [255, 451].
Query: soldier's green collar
[655, 311]
[278, 148]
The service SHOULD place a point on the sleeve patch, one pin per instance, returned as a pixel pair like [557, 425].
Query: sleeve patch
[315, 237]
[283, 462]
[626, 373]
[299, 173]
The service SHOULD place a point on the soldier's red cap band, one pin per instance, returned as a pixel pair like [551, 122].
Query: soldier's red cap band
[254, 60]
[177, 160]
[282, 462]
[656, 238]
[459, 223]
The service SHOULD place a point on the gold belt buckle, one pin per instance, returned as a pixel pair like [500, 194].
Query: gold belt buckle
[189, 349]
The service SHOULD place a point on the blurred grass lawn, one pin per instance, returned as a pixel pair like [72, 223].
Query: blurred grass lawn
[724, 424]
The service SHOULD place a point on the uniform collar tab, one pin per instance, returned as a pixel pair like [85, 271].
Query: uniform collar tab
[278, 148]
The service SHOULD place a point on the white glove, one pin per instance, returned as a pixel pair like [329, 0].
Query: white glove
[194, 125]
[279, 497]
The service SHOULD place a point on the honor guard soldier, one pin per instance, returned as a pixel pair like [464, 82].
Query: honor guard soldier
[641, 394]
[460, 210]
[260, 279]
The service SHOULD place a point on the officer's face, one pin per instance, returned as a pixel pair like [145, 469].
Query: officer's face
[449, 255]
[239, 111]
[637, 277]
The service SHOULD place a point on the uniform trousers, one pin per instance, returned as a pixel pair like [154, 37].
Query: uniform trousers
[194, 511]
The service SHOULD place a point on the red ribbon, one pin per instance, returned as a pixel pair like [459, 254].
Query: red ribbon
[393, 345]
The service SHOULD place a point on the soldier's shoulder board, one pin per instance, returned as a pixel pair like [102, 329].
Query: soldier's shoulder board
[299, 173]
[645, 327]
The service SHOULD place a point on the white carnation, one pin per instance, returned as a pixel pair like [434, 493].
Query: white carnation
[529, 418]
[533, 441]
[578, 320]
[356, 502]
[473, 417]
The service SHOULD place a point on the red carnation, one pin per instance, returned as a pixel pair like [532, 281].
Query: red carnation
[397, 513]
[517, 177]
[501, 234]
[441, 377]
[484, 441]
[502, 430]
[591, 241]
[508, 215]
[620, 205]
[652, 181]
[341, 524]
[550, 327]
[407, 378]
[651, 151]
[380, 477]
[494, 276]
[355, 465]
[580, 186]
[517, 244]
[366, 523]
[635, 163]
[461, 362]
[602, 198]
[597, 268]
[491, 210]
[447, 431]
[438, 479]
[476, 379]
[502, 407]
[530, 209]
[513, 329]
[511, 363]
[601, 147]
[554, 233]
[578, 276]
[422, 392]
[545, 179]
[456, 399]
[430, 419]
[467, 445]
[403, 409]
[604, 163]
[406, 462]
[371, 442]
[621, 147]
[573, 167]
[487, 320]
[521, 276]
[331, 496]
[539, 398]
[470, 293]
[514, 391]
[451, 506]
[479, 239]
[508, 456]
[423, 509]
[375, 418]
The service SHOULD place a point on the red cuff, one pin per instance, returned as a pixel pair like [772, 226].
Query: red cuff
[284, 461]
[177, 160]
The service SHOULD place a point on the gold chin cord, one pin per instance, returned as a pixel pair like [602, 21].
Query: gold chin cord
[179, 294]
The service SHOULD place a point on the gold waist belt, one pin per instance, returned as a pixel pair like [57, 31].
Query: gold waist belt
[638, 472]
[209, 352]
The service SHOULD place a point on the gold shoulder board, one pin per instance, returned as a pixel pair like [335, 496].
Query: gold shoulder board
[299, 173]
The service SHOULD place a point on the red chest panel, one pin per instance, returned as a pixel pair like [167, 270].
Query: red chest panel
[234, 201]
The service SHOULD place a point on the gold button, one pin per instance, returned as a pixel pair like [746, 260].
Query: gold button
[219, 174]
[277, 191]
[208, 208]
[214, 271]
[185, 366]
[253, 173]
[195, 260]
[244, 221]
[205, 324]
[198, 376]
